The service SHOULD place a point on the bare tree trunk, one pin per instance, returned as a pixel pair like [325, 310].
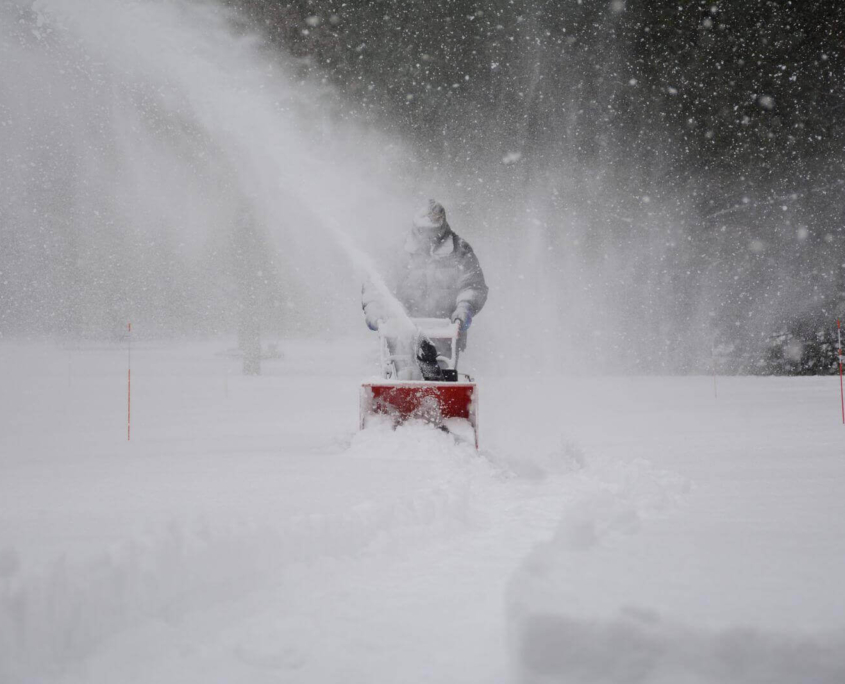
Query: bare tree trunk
[248, 273]
[250, 344]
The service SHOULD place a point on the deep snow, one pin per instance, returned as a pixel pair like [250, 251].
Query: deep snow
[610, 530]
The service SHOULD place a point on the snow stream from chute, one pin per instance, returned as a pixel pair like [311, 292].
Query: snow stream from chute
[161, 125]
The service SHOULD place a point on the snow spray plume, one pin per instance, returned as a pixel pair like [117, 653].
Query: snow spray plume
[366, 264]
[177, 174]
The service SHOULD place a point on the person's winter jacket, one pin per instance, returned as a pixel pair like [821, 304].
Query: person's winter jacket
[439, 278]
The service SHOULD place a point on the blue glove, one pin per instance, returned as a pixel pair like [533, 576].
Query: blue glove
[373, 325]
[464, 315]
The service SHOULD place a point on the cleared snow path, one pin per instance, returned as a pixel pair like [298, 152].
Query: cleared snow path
[413, 589]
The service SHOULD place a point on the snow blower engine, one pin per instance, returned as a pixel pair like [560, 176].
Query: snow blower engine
[419, 364]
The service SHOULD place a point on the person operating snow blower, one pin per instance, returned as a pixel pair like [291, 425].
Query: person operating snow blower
[440, 276]
[441, 288]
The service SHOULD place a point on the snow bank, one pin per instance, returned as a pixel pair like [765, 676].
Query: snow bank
[641, 647]
[609, 599]
[54, 617]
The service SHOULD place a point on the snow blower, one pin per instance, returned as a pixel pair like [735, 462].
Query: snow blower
[421, 380]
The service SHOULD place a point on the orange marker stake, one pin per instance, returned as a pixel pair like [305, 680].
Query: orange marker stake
[841, 392]
[713, 363]
[129, 385]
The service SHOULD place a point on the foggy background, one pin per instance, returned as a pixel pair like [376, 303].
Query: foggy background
[649, 186]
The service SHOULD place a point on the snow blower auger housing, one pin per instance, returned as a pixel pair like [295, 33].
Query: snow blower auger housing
[420, 379]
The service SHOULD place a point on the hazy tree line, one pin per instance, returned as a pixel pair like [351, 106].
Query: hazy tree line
[703, 139]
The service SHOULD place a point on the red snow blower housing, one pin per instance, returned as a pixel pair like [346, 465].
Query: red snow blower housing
[420, 379]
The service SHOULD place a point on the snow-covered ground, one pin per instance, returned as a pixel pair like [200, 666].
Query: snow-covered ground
[610, 530]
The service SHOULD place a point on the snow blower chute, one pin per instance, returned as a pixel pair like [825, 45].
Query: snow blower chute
[421, 380]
